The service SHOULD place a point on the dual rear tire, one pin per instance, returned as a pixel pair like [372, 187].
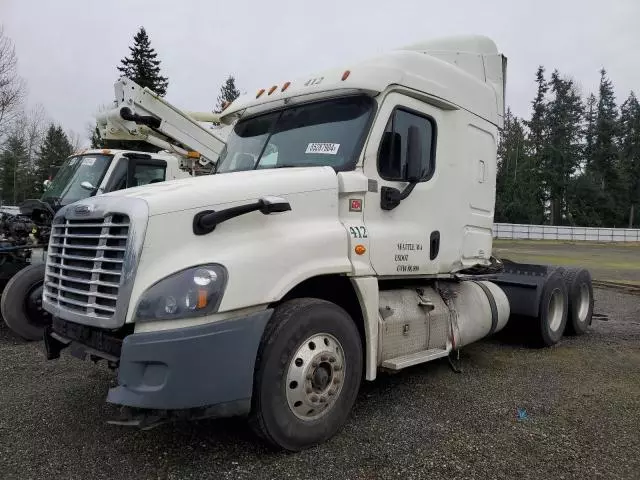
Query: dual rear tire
[566, 305]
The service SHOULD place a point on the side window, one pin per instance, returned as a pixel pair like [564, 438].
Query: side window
[145, 174]
[393, 153]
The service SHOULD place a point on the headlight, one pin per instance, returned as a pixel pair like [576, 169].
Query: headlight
[192, 292]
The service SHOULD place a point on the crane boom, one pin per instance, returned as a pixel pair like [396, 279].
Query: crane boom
[142, 115]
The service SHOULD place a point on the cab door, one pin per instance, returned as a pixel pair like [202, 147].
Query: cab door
[404, 211]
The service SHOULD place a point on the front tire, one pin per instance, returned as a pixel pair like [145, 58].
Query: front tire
[21, 303]
[308, 374]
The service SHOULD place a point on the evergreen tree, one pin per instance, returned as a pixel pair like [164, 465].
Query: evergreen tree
[14, 170]
[590, 129]
[536, 142]
[563, 146]
[228, 93]
[630, 157]
[142, 67]
[604, 168]
[54, 150]
[514, 180]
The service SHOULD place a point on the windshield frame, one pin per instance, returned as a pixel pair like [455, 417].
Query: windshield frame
[347, 165]
[60, 200]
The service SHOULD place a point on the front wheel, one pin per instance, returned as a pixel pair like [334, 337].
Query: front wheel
[21, 303]
[308, 374]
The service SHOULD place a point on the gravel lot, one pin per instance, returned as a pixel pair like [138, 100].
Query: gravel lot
[582, 400]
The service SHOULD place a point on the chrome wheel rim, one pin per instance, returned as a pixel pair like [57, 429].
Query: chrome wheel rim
[585, 300]
[556, 308]
[315, 376]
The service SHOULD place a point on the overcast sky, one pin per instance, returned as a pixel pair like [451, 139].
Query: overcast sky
[68, 49]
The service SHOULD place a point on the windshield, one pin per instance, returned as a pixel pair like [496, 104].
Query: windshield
[66, 186]
[328, 133]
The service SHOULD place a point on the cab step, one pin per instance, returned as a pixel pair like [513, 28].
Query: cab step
[398, 363]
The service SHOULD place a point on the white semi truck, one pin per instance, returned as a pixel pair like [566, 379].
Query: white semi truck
[347, 230]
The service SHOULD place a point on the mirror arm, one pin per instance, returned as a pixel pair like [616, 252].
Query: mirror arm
[391, 197]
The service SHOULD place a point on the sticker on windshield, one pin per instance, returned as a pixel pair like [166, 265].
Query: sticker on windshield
[325, 148]
[88, 161]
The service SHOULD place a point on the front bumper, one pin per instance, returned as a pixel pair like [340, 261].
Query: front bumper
[201, 366]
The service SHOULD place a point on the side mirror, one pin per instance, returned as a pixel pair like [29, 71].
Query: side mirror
[414, 155]
[87, 186]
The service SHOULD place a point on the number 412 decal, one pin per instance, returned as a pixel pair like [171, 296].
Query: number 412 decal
[358, 232]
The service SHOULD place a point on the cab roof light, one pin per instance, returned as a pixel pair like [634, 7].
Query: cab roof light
[272, 89]
[260, 92]
[225, 105]
[285, 86]
[193, 154]
[345, 75]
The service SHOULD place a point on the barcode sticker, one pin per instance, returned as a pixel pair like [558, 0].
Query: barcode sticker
[325, 148]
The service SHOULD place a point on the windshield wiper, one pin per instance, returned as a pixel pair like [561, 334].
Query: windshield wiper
[294, 165]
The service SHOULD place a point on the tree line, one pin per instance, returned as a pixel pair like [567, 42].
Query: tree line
[32, 145]
[576, 161]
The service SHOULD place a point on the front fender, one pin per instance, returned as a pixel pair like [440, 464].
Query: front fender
[265, 255]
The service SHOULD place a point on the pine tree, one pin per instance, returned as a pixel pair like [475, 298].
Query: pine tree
[14, 171]
[536, 142]
[513, 165]
[563, 147]
[142, 67]
[603, 167]
[228, 93]
[54, 150]
[589, 129]
[629, 130]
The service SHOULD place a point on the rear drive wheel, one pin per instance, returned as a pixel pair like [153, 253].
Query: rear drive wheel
[580, 288]
[308, 374]
[21, 303]
[554, 304]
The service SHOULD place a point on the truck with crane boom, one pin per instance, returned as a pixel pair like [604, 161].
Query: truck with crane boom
[25, 235]
[347, 230]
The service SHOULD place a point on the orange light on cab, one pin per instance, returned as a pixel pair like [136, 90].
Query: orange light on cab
[285, 86]
[202, 298]
[360, 249]
[272, 89]
[260, 92]
[345, 75]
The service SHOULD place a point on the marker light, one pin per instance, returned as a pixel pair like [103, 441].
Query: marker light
[272, 89]
[345, 75]
[285, 86]
[260, 92]
[360, 249]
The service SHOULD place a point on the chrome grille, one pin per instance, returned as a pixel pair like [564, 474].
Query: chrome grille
[85, 264]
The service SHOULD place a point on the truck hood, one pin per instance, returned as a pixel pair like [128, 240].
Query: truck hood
[218, 189]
